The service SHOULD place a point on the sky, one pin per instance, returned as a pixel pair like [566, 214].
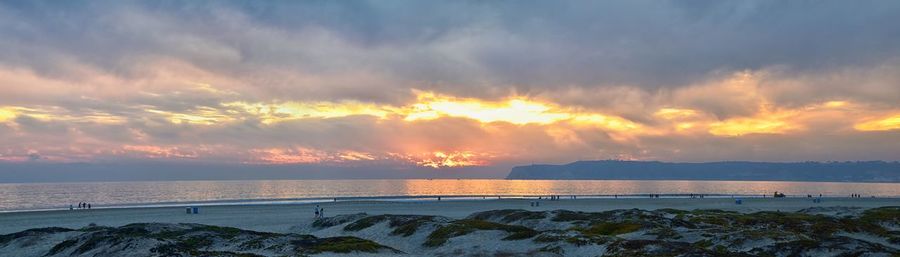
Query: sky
[433, 85]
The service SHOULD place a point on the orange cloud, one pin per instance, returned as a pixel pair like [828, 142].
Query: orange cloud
[880, 124]
[435, 130]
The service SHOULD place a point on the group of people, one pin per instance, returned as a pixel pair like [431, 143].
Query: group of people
[81, 206]
[696, 196]
[320, 212]
[855, 196]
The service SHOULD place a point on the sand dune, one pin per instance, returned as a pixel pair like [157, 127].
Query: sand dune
[510, 227]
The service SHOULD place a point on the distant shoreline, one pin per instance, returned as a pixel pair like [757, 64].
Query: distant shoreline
[863, 172]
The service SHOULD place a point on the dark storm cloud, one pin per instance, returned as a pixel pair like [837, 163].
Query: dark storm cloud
[458, 47]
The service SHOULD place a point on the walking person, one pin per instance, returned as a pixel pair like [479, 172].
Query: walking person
[317, 211]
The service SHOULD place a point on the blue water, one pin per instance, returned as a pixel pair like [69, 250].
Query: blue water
[42, 196]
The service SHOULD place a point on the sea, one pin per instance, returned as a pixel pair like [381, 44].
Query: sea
[56, 196]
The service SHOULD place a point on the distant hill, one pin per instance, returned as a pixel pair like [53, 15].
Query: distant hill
[868, 171]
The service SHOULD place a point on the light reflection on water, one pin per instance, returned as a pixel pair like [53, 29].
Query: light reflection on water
[60, 195]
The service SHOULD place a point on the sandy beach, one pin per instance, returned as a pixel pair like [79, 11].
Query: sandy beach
[280, 218]
[489, 227]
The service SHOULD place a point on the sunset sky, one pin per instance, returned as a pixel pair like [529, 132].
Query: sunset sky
[436, 84]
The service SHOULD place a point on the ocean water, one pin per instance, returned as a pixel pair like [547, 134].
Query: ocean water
[45, 196]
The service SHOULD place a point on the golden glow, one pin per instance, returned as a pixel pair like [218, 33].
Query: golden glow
[429, 106]
[278, 112]
[888, 123]
[53, 113]
[7, 113]
[767, 121]
[202, 116]
[451, 159]
[515, 110]
[744, 126]
[684, 126]
[675, 113]
[836, 104]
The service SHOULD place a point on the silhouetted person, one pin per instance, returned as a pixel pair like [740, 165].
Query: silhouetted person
[89, 206]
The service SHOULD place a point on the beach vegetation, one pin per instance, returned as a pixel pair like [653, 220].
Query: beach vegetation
[609, 228]
[665, 233]
[256, 243]
[409, 225]
[4, 239]
[566, 216]
[705, 243]
[673, 211]
[552, 249]
[721, 232]
[344, 244]
[462, 227]
[883, 214]
[336, 220]
[550, 237]
[226, 254]
[403, 225]
[62, 246]
[508, 215]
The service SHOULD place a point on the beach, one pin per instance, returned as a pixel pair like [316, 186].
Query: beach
[485, 227]
[280, 218]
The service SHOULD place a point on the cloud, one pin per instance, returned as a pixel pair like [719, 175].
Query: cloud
[448, 83]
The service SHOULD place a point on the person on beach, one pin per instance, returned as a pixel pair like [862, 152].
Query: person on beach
[89, 206]
[71, 208]
[317, 211]
[322, 213]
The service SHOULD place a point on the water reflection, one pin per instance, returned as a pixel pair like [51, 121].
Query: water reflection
[60, 195]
